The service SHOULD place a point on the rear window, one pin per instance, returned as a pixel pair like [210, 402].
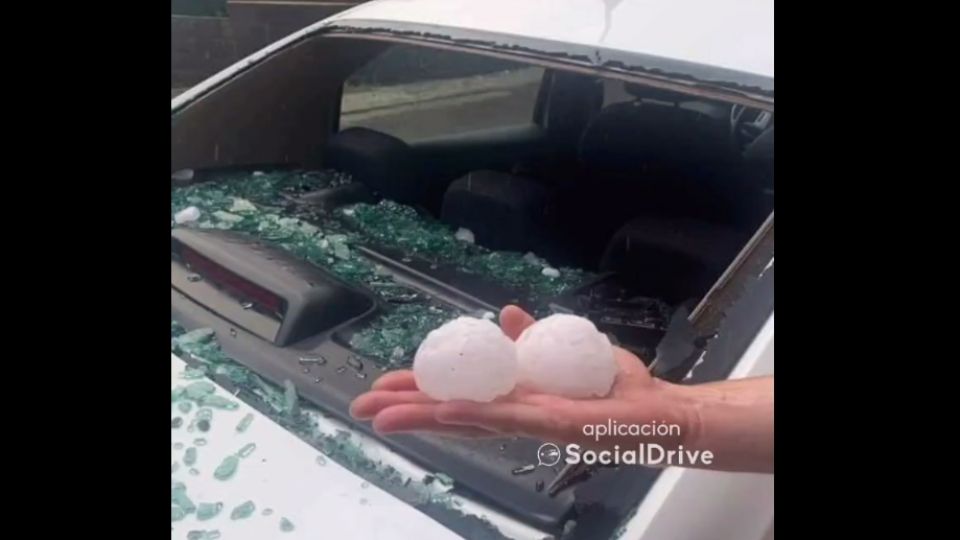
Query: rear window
[418, 93]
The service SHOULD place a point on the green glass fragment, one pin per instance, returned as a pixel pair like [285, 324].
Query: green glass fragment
[219, 402]
[177, 513]
[177, 393]
[178, 496]
[444, 479]
[190, 456]
[185, 406]
[195, 337]
[176, 422]
[200, 389]
[286, 525]
[243, 511]
[247, 450]
[207, 511]
[203, 535]
[193, 373]
[200, 441]
[227, 468]
[245, 423]
[289, 398]
[194, 472]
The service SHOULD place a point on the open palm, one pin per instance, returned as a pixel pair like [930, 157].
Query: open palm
[396, 405]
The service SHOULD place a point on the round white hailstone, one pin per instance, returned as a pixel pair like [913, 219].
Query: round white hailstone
[566, 355]
[188, 214]
[466, 358]
[465, 235]
[550, 272]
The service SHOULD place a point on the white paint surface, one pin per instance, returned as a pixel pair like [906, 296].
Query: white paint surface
[708, 505]
[734, 34]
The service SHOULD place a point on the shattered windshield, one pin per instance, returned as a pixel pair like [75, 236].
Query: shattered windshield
[264, 206]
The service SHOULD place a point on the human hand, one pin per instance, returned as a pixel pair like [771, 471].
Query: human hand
[395, 405]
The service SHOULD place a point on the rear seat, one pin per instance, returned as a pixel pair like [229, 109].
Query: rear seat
[504, 212]
[383, 163]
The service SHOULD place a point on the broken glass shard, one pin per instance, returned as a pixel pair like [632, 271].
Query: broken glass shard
[198, 390]
[196, 337]
[289, 398]
[246, 305]
[190, 456]
[178, 496]
[219, 402]
[203, 425]
[364, 485]
[174, 467]
[185, 406]
[286, 525]
[233, 332]
[341, 369]
[354, 362]
[539, 486]
[207, 511]
[444, 479]
[204, 414]
[526, 469]
[227, 468]
[177, 394]
[243, 511]
[267, 511]
[318, 380]
[194, 278]
[321, 460]
[176, 422]
[245, 423]
[194, 472]
[178, 446]
[247, 450]
[192, 373]
[200, 441]
[177, 513]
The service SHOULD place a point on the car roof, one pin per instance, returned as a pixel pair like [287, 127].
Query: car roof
[734, 35]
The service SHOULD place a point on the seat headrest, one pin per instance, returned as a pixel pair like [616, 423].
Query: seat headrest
[382, 162]
[632, 137]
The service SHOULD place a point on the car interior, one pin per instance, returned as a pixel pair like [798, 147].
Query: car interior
[653, 191]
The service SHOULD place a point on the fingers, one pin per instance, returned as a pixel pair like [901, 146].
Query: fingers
[401, 379]
[367, 405]
[514, 321]
[414, 417]
[504, 418]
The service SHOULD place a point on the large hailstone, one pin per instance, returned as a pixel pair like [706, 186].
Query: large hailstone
[466, 358]
[566, 355]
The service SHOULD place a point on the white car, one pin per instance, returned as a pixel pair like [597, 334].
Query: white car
[348, 188]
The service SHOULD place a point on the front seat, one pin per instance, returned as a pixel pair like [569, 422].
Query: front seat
[673, 259]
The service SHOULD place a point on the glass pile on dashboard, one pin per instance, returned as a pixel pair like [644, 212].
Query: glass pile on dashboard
[263, 205]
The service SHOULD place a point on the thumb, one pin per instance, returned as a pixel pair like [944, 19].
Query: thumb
[514, 321]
